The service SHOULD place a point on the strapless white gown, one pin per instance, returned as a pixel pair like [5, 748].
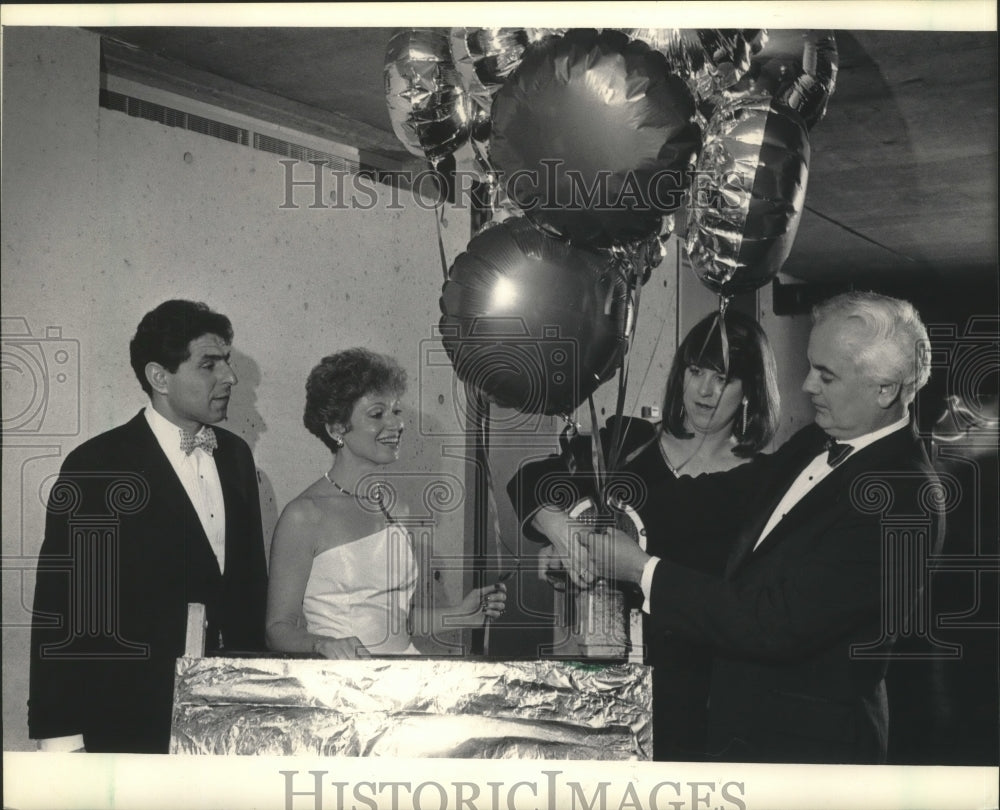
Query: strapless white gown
[363, 589]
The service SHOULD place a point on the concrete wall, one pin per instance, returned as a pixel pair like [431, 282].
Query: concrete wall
[104, 217]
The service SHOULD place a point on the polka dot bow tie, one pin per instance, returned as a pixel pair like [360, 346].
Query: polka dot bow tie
[204, 438]
[836, 452]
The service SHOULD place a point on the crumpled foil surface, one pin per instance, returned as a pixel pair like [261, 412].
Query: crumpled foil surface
[412, 707]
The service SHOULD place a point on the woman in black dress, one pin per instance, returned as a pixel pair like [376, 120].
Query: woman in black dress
[713, 421]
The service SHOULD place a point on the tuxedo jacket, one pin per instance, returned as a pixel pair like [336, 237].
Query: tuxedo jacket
[802, 626]
[123, 555]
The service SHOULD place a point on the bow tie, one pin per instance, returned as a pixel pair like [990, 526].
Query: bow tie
[204, 438]
[835, 451]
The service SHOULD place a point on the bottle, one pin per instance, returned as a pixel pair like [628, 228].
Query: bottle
[602, 622]
[602, 616]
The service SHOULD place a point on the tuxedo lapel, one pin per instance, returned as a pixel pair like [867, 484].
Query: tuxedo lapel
[166, 485]
[233, 497]
[800, 451]
[830, 493]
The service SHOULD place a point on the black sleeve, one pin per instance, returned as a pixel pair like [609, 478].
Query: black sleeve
[563, 479]
[57, 681]
[790, 609]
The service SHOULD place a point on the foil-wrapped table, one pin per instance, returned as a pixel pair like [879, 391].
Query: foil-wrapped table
[412, 707]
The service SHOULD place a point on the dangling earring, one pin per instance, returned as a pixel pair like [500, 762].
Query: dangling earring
[743, 419]
[337, 440]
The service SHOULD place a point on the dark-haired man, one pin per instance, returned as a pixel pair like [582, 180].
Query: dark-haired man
[144, 519]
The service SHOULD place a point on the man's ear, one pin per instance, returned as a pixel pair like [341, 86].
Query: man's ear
[156, 375]
[888, 394]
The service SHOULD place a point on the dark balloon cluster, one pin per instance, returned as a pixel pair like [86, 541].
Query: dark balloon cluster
[596, 138]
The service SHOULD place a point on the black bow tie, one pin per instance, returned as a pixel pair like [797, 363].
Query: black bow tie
[836, 452]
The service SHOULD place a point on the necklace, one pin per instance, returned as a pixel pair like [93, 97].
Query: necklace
[326, 475]
[666, 458]
[377, 499]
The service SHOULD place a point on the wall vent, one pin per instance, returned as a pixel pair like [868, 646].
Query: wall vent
[277, 146]
[171, 117]
[151, 111]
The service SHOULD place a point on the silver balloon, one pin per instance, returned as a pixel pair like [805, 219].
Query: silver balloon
[747, 196]
[427, 103]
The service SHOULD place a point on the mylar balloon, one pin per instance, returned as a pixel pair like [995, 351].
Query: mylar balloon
[485, 57]
[682, 47]
[802, 84]
[815, 79]
[532, 322]
[708, 59]
[427, 103]
[757, 37]
[747, 196]
[594, 136]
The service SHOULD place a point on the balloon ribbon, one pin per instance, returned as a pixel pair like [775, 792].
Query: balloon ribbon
[481, 409]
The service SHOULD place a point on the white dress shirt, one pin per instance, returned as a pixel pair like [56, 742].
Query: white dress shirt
[817, 470]
[200, 478]
[814, 472]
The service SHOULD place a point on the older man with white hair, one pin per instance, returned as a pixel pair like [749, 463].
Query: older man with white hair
[822, 574]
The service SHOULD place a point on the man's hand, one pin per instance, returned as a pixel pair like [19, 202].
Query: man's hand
[614, 555]
[566, 552]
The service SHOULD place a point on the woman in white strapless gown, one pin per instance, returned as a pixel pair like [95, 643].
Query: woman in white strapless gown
[342, 569]
[349, 593]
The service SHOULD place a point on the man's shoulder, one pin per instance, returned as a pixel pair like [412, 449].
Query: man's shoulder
[902, 449]
[111, 444]
[231, 442]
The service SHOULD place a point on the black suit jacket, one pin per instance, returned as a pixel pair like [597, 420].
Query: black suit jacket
[123, 555]
[802, 625]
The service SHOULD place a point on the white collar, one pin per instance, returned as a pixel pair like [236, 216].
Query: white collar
[861, 442]
[167, 434]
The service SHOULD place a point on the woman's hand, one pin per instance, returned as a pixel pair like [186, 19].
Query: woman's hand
[341, 648]
[489, 602]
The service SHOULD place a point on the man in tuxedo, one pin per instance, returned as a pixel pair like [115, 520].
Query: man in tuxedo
[144, 519]
[825, 570]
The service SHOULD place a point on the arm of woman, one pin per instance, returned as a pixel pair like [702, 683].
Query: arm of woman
[292, 552]
[477, 605]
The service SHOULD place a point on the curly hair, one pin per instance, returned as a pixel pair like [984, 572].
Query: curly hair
[339, 380]
[751, 361]
[164, 334]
